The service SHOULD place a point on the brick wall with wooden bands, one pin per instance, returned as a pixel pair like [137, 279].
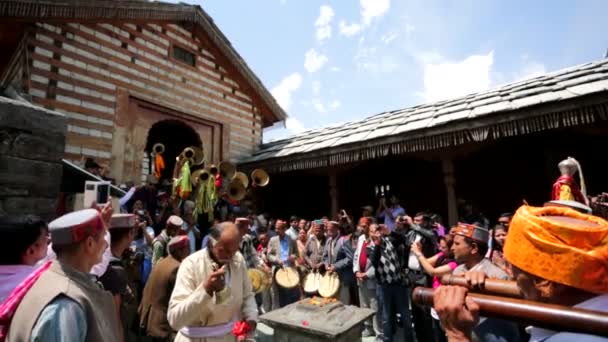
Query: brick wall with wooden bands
[76, 69]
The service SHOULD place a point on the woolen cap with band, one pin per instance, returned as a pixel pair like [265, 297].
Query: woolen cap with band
[75, 227]
[473, 232]
[175, 220]
[122, 221]
[181, 241]
[561, 245]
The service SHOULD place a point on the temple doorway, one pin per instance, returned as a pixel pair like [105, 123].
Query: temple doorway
[175, 135]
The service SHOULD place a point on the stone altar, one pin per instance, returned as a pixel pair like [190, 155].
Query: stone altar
[317, 319]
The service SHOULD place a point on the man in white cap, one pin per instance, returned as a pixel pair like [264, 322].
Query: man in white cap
[159, 245]
[64, 303]
[212, 291]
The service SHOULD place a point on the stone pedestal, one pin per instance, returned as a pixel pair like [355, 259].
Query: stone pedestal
[303, 322]
[32, 144]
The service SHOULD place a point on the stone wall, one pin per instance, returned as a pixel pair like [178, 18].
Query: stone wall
[32, 144]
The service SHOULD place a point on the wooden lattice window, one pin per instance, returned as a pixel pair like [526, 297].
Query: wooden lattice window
[184, 55]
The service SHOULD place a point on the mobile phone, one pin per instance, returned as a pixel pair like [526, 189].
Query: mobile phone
[103, 192]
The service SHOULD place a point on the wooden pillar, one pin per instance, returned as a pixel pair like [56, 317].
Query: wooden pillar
[333, 194]
[449, 180]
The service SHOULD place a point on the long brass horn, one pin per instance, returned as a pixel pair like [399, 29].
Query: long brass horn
[198, 176]
[213, 170]
[188, 153]
[158, 148]
[241, 176]
[259, 178]
[199, 155]
[236, 190]
[227, 170]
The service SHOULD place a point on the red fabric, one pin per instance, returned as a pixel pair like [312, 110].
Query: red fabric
[89, 228]
[363, 257]
[240, 330]
[8, 308]
[576, 190]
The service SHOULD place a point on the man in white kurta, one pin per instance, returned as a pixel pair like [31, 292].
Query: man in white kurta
[212, 291]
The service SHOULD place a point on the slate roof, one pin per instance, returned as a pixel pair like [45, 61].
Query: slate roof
[556, 86]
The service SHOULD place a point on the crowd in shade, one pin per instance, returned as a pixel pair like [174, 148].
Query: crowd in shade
[149, 272]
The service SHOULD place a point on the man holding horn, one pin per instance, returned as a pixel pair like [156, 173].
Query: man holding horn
[558, 256]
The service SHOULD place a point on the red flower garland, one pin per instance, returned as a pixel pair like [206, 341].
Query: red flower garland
[241, 329]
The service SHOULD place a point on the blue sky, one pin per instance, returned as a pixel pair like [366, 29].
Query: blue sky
[330, 62]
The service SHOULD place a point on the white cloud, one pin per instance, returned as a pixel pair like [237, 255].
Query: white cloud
[319, 106]
[409, 28]
[294, 125]
[335, 104]
[389, 37]
[349, 30]
[323, 23]
[532, 69]
[282, 130]
[316, 88]
[282, 92]
[335, 68]
[314, 61]
[451, 79]
[371, 9]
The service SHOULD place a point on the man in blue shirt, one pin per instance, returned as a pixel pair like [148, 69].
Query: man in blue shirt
[391, 212]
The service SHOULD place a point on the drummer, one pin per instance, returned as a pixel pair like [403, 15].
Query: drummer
[282, 252]
[575, 238]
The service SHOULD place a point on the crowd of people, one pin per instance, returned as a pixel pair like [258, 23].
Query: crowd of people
[153, 273]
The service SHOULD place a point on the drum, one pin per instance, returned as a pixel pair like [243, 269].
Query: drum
[260, 280]
[311, 282]
[329, 285]
[287, 277]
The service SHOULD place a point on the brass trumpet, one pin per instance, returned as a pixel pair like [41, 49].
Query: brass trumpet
[200, 176]
[259, 178]
[236, 190]
[227, 170]
[242, 177]
[213, 170]
[158, 148]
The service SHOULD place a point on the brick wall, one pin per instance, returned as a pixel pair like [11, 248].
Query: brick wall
[78, 69]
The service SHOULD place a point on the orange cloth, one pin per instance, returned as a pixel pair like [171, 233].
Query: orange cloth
[561, 245]
[159, 165]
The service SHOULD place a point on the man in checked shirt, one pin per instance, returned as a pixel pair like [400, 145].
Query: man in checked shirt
[247, 248]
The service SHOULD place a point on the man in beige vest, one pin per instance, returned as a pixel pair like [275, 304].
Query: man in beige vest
[212, 290]
[65, 303]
